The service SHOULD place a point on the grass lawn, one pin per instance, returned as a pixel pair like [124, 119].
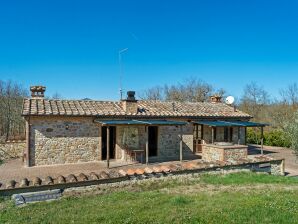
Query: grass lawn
[233, 198]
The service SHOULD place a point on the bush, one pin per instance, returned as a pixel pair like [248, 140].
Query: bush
[253, 136]
[292, 131]
[275, 137]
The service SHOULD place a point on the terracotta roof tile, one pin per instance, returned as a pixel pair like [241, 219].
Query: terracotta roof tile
[145, 108]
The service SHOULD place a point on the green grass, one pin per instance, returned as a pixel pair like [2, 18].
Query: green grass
[210, 199]
[247, 178]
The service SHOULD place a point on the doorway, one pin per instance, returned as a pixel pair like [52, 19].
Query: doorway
[152, 140]
[112, 141]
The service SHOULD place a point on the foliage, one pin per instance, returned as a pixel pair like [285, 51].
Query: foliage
[11, 98]
[292, 132]
[274, 137]
[198, 203]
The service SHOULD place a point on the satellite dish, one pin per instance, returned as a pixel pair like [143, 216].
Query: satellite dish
[230, 100]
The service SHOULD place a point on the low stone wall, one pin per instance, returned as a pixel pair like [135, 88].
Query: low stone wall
[223, 153]
[277, 167]
[129, 175]
[13, 149]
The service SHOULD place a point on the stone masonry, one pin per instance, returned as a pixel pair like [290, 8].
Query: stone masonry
[63, 140]
[12, 149]
[224, 153]
[168, 141]
[78, 139]
[220, 135]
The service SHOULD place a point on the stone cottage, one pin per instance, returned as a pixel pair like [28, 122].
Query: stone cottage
[73, 131]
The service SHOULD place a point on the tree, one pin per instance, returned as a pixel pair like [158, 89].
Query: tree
[154, 93]
[290, 95]
[191, 90]
[254, 100]
[291, 128]
[11, 100]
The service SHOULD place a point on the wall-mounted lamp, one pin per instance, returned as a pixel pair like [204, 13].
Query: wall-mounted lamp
[66, 127]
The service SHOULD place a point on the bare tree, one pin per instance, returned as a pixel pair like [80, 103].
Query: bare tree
[254, 99]
[154, 93]
[192, 90]
[11, 98]
[290, 95]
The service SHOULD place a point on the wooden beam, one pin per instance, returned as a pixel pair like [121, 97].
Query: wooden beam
[197, 138]
[245, 141]
[147, 144]
[202, 134]
[238, 135]
[212, 135]
[181, 144]
[108, 146]
[262, 140]
[27, 153]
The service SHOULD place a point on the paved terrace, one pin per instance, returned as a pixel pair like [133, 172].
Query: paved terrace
[14, 169]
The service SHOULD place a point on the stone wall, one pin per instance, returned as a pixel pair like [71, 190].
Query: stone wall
[210, 153]
[277, 168]
[77, 139]
[137, 142]
[235, 153]
[168, 141]
[224, 153]
[13, 149]
[220, 135]
[63, 140]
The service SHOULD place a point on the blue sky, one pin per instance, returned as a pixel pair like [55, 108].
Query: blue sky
[72, 46]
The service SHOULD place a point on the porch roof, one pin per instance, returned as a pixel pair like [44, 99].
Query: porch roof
[140, 122]
[230, 123]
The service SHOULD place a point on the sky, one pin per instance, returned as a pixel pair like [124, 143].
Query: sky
[72, 46]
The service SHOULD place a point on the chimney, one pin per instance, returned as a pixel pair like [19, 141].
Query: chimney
[216, 99]
[37, 91]
[130, 104]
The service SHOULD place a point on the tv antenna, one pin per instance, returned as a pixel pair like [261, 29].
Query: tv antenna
[121, 70]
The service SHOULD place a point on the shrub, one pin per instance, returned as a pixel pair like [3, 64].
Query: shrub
[292, 131]
[275, 137]
[253, 136]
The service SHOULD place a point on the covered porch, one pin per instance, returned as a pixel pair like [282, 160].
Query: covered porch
[137, 140]
[223, 140]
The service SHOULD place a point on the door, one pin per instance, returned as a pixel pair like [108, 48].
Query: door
[112, 141]
[152, 140]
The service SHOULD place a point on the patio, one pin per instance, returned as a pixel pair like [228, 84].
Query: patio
[14, 169]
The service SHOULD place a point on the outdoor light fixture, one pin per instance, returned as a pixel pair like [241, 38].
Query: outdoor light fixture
[66, 127]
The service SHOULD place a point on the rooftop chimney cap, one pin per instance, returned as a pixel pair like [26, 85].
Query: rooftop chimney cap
[131, 96]
[37, 91]
[216, 98]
